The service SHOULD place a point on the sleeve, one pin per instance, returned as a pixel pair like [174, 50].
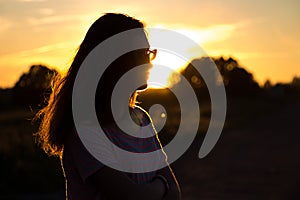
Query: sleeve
[84, 161]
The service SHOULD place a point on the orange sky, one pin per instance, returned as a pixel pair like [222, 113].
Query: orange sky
[262, 35]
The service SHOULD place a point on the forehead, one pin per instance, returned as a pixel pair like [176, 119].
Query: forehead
[140, 39]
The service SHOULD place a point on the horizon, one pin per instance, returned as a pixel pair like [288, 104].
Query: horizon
[264, 42]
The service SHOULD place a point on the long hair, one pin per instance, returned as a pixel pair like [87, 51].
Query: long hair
[56, 119]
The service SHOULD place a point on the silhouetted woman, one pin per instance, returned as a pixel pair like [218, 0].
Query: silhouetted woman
[86, 177]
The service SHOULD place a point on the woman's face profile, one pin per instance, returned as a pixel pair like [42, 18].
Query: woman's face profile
[142, 57]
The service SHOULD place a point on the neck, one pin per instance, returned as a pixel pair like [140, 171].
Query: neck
[132, 101]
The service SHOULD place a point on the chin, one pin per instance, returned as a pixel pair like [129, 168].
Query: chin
[142, 88]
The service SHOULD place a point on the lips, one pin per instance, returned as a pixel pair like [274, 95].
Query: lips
[143, 87]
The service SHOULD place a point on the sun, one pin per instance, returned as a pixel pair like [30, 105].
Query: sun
[164, 67]
[168, 64]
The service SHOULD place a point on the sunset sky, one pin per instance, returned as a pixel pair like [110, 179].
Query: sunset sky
[264, 36]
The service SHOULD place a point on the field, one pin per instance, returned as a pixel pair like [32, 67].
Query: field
[255, 158]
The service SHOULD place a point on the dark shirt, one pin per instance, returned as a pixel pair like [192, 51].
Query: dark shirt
[79, 164]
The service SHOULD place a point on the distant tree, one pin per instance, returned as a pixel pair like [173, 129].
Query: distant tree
[34, 86]
[195, 79]
[291, 89]
[6, 98]
[267, 85]
[296, 84]
[237, 80]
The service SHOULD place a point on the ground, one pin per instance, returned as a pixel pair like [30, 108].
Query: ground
[256, 157]
[256, 161]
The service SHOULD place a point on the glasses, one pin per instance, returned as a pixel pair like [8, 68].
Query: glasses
[151, 54]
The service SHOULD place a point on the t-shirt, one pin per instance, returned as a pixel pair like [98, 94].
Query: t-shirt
[78, 163]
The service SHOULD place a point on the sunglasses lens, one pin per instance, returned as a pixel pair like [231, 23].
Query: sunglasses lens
[152, 54]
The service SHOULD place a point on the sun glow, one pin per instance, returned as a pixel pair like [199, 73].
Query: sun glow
[166, 62]
[165, 70]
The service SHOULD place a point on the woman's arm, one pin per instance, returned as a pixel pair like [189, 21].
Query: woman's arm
[117, 185]
[174, 192]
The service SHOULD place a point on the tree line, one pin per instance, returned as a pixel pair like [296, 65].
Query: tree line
[34, 86]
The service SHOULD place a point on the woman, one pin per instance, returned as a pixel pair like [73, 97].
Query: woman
[87, 177]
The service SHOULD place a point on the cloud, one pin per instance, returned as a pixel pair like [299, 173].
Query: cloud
[46, 11]
[209, 34]
[45, 50]
[201, 36]
[5, 24]
[58, 55]
[39, 21]
[31, 0]
[212, 33]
